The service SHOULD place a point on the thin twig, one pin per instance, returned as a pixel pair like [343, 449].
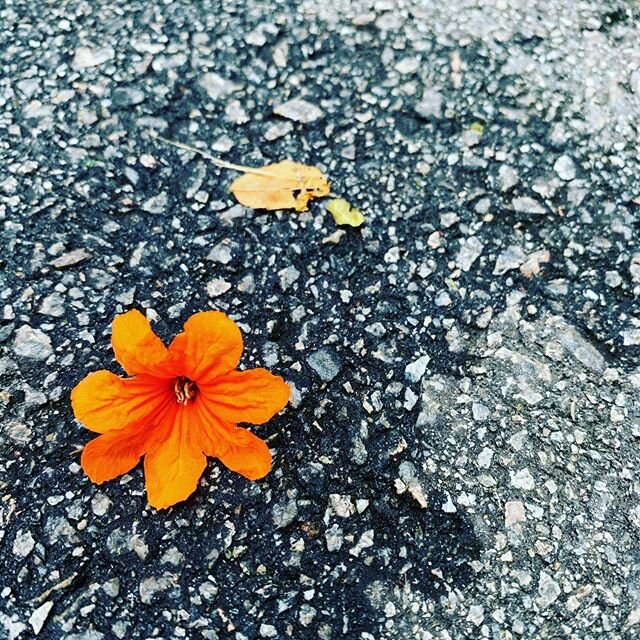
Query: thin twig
[61, 585]
[217, 161]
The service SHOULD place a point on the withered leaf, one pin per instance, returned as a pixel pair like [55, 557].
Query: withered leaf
[283, 185]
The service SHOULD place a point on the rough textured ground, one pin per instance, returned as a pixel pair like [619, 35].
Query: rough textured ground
[460, 456]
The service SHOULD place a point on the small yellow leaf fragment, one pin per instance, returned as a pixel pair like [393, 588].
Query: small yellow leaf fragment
[344, 213]
[284, 185]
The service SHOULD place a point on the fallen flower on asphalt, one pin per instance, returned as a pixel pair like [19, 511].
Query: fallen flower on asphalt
[180, 405]
[282, 185]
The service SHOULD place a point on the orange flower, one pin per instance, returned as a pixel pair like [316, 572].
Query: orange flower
[180, 405]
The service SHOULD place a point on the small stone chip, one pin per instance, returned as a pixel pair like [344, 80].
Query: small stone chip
[325, 363]
[306, 614]
[288, 276]
[630, 337]
[480, 412]
[431, 105]
[470, 251]
[127, 97]
[341, 505]
[528, 205]
[32, 343]
[513, 513]
[523, 479]
[53, 305]
[581, 349]
[71, 258]
[408, 481]
[216, 86]
[511, 258]
[548, 590]
[407, 65]
[222, 253]
[156, 204]
[23, 544]
[410, 399]
[39, 617]
[85, 57]
[476, 614]
[415, 370]
[565, 168]
[531, 266]
[485, 457]
[268, 631]
[366, 541]
[299, 111]
[217, 287]
[284, 513]
[100, 504]
[208, 590]
[277, 130]
[507, 178]
[334, 538]
[150, 586]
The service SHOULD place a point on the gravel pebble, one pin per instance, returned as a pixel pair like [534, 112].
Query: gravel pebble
[39, 617]
[32, 343]
[299, 111]
[565, 168]
[325, 363]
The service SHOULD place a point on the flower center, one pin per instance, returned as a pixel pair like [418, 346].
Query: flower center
[185, 389]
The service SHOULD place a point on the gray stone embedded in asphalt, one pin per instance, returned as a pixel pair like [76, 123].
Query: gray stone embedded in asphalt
[325, 363]
[217, 287]
[123, 97]
[507, 177]
[570, 338]
[32, 343]
[299, 110]
[39, 617]
[415, 370]
[72, 258]
[470, 250]
[86, 57]
[431, 104]
[508, 260]
[526, 204]
[23, 544]
[216, 86]
[284, 513]
[565, 168]
[334, 538]
[53, 305]
[548, 590]
[156, 204]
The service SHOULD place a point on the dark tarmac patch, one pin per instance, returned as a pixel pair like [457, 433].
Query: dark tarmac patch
[249, 561]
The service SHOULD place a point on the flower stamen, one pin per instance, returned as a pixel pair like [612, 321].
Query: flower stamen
[185, 389]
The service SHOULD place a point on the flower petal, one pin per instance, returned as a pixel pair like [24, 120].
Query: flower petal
[174, 463]
[253, 396]
[237, 448]
[137, 348]
[210, 345]
[104, 401]
[248, 455]
[114, 453]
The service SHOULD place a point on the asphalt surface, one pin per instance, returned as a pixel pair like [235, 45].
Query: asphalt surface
[459, 459]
